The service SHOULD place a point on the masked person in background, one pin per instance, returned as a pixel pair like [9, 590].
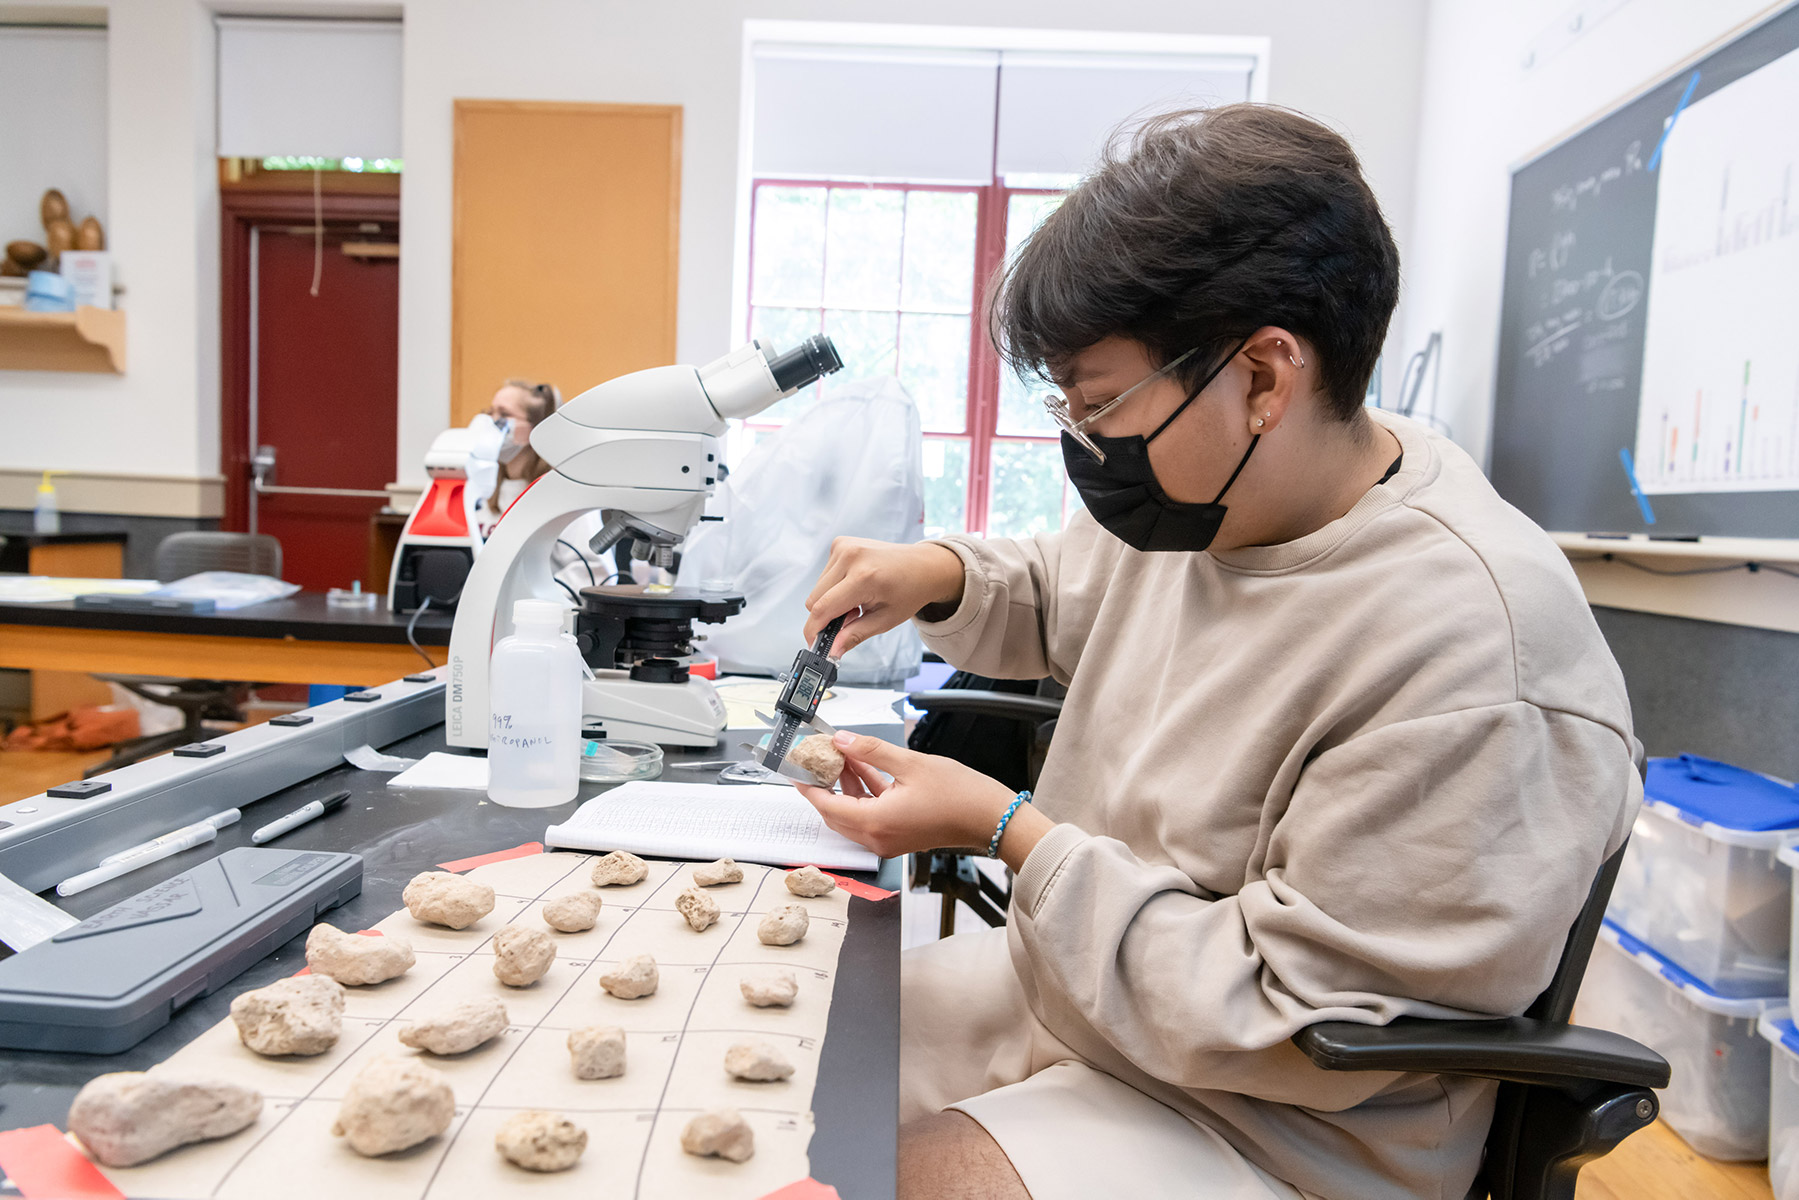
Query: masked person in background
[1342, 740]
[519, 405]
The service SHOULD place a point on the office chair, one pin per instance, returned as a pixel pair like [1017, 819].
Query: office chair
[200, 700]
[1002, 728]
[1567, 1094]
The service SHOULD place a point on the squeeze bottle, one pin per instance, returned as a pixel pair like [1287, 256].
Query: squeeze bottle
[44, 517]
[534, 735]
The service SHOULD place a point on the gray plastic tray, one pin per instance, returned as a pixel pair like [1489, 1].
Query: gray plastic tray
[108, 983]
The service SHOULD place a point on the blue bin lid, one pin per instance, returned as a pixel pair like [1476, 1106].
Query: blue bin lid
[1685, 981]
[1721, 794]
[1789, 1036]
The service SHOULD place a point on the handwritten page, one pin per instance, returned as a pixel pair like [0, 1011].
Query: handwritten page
[700, 820]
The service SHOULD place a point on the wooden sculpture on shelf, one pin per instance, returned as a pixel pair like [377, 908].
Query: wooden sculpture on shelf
[60, 233]
[22, 258]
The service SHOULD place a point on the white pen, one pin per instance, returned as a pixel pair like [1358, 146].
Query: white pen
[217, 821]
[186, 838]
[298, 817]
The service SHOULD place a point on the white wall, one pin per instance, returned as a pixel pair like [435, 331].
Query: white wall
[161, 416]
[1484, 112]
[1355, 65]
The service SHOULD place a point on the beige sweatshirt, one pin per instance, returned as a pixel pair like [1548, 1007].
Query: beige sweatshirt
[1367, 773]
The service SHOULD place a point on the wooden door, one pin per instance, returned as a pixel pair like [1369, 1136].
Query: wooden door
[326, 398]
[566, 238]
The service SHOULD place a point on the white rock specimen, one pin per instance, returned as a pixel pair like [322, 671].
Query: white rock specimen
[441, 898]
[810, 881]
[769, 989]
[458, 1029]
[721, 1133]
[355, 960]
[711, 874]
[394, 1103]
[634, 977]
[784, 926]
[619, 869]
[521, 956]
[540, 1141]
[572, 913]
[757, 1062]
[128, 1117]
[598, 1051]
[815, 754]
[700, 909]
[301, 1015]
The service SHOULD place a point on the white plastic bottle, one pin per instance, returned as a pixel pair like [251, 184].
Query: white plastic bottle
[534, 732]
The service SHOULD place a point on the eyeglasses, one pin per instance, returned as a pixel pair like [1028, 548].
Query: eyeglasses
[1056, 404]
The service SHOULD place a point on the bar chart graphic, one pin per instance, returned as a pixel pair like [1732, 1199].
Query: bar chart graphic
[1719, 406]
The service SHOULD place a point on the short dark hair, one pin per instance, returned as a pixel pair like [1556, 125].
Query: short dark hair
[1199, 228]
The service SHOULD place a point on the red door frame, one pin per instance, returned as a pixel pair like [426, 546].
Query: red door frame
[239, 212]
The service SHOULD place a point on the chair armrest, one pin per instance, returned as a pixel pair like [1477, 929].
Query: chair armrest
[1015, 705]
[1517, 1049]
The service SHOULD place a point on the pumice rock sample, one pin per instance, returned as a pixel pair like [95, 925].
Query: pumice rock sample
[769, 989]
[634, 977]
[540, 1141]
[619, 869]
[458, 1029]
[301, 1015]
[784, 926]
[810, 882]
[700, 909]
[757, 1062]
[721, 1133]
[598, 1052]
[521, 956]
[440, 898]
[712, 874]
[355, 960]
[572, 913]
[392, 1104]
[128, 1117]
[818, 757]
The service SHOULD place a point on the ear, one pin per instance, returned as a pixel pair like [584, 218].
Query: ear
[1279, 373]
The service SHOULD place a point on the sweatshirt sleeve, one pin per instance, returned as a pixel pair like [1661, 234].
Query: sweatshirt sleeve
[1001, 627]
[1430, 867]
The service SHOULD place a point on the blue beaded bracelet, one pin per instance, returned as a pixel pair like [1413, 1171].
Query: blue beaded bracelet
[1000, 831]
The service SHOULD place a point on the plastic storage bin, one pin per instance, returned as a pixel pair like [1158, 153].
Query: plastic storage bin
[1702, 884]
[1783, 1103]
[1718, 1097]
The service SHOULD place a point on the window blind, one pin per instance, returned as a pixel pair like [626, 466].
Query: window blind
[323, 89]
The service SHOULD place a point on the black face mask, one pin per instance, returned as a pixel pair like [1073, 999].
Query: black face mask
[1124, 497]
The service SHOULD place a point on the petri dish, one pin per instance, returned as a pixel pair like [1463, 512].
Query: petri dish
[616, 762]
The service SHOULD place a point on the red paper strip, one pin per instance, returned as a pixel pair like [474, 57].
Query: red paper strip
[524, 850]
[806, 1189]
[42, 1164]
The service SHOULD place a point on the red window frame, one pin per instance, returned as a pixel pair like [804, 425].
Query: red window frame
[992, 204]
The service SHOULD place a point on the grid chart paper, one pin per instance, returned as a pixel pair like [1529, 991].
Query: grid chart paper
[675, 1047]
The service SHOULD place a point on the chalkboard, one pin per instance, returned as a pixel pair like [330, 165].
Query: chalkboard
[1628, 352]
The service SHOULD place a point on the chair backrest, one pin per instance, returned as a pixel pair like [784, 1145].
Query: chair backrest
[182, 554]
[1557, 1001]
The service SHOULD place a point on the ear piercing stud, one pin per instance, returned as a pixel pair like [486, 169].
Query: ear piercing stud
[1299, 362]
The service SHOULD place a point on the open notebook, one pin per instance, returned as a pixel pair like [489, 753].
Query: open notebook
[766, 824]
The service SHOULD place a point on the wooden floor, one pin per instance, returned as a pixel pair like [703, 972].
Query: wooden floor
[1652, 1165]
[1656, 1165]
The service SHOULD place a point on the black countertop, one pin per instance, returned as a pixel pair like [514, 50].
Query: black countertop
[304, 616]
[402, 832]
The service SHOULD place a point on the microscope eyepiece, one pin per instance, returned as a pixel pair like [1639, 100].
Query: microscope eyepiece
[806, 363]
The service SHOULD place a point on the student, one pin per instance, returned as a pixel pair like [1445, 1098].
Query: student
[525, 404]
[1342, 740]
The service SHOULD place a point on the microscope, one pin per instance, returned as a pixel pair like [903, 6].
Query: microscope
[643, 449]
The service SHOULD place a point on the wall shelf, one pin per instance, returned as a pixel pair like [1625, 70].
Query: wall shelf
[88, 339]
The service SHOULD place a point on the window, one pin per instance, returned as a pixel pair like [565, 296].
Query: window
[895, 275]
[879, 219]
